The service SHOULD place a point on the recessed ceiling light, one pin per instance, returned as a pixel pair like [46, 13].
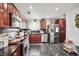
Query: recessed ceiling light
[30, 7]
[57, 9]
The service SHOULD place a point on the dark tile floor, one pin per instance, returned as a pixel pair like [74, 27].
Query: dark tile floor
[46, 49]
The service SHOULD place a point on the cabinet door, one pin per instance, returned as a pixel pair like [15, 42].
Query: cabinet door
[31, 38]
[1, 5]
[62, 29]
[6, 20]
[17, 52]
[37, 38]
[43, 24]
[1, 14]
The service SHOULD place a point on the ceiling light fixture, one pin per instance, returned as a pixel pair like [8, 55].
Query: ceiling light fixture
[57, 9]
[30, 7]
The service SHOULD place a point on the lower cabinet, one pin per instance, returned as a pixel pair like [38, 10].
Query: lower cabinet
[16, 52]
[35, 38]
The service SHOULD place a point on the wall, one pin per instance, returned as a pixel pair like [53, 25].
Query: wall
[48, 22]
[72, 33]
[34, 25]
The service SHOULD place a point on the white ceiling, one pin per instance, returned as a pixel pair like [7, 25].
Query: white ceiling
[40, 10]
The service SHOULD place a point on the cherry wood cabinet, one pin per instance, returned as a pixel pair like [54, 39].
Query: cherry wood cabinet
[15, 51]
[43, 24]
[5, 16]
[1, 14]
[35, 38]
[5, 10]
[4, 21]
[62, 29]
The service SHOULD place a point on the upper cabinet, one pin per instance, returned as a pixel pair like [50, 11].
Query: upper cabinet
[5, 16]
[8, 14]
[43, 24]
[1, 13]
[62, 29]
[4, 21]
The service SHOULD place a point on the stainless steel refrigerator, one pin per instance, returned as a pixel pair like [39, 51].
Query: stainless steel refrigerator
[54, 33]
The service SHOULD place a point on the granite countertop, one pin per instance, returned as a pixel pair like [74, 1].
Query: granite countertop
[11, 47]
[38, 33]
